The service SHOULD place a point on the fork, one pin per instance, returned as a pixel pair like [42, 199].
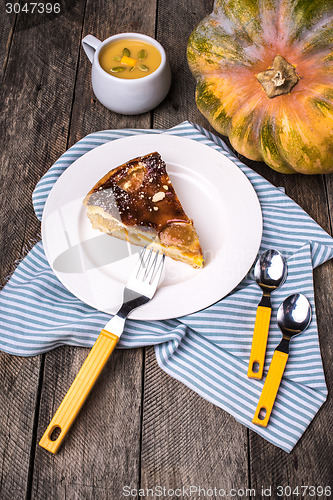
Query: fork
[139, 289]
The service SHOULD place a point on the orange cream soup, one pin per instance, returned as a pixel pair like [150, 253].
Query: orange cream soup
[129, 59]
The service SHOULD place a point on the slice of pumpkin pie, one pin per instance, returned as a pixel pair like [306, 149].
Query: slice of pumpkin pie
[137, 202]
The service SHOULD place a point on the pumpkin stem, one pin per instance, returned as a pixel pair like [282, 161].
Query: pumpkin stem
[279, 79]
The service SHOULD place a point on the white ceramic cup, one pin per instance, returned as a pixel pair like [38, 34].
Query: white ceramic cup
[127, 96]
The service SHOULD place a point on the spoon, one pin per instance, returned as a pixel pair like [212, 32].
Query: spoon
[293, 317]
[270, 272]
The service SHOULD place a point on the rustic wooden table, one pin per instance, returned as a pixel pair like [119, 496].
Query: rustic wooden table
[139, 428]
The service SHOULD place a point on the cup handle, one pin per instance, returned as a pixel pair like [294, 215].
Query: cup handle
[90, 44]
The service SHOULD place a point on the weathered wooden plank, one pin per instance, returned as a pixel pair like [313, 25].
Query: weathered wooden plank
[102, 452]
[19, 383]
[6, 34]
[329, 190]
[17, 395]
[7, 23]
[185, 440]
[36, 95]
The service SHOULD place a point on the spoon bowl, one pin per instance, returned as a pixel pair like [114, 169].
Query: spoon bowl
[270, 270]
[294, 315]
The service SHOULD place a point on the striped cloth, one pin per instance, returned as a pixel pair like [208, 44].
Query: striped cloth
[207, 351]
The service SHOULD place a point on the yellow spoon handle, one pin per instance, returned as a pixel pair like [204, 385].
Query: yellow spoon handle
[79, 391]
[259, 342]
[270, 389]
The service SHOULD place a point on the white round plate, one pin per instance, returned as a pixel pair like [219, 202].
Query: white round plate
[214, 193]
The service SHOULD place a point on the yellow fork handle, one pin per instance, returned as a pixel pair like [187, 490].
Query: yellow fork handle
[259, 342]
[270, 389]
[78, 391]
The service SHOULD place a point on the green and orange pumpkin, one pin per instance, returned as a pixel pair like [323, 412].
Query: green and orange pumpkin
[264, 71]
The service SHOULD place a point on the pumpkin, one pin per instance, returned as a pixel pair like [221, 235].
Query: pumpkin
[264, 71]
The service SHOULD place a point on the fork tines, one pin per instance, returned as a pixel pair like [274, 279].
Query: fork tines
[150, 264]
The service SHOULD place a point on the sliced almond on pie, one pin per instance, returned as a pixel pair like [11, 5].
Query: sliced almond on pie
[137, 202]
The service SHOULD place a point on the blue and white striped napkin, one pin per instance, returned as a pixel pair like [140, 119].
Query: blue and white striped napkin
[207, 351]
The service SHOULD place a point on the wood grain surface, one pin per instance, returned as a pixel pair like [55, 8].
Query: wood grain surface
[139, 428]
